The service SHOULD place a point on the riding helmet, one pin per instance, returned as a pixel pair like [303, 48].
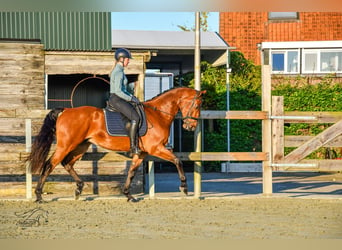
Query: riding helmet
[122, 52]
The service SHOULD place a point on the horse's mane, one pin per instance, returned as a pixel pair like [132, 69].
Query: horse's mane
[165, 91]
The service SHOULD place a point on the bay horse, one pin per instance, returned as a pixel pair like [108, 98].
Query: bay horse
[75, 129]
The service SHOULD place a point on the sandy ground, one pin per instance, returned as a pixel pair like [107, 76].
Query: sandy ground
[303, 206]
[184, 218]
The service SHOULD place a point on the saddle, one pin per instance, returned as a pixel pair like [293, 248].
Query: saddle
[118, 125]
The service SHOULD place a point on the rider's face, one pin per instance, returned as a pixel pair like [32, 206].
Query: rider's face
[125, 62]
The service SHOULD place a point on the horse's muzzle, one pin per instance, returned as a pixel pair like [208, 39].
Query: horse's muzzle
[190, 126]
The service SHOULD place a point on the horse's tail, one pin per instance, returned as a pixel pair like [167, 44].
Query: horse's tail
[42, 143]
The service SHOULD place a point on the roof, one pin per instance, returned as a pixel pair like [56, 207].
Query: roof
[178, 44]
[143, 39]
[75, 31]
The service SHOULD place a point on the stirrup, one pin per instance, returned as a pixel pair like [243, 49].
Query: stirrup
[135, 151]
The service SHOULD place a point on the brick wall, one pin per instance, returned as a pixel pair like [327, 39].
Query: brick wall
[244, 30]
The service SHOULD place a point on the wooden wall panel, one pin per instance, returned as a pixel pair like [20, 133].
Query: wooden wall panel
[89, 63]
[21, 75]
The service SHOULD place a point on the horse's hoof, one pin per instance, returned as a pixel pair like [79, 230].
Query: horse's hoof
[184, 190]
[132, 199]
[40, 201]
[77, 195]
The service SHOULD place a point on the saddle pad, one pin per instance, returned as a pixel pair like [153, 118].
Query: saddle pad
[115, 124]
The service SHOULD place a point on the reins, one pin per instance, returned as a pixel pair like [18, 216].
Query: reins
[183, 118]
[156, 109]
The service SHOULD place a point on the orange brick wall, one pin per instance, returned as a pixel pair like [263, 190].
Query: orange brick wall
[244, 30]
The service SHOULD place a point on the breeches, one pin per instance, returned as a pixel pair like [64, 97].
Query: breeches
[124, 107]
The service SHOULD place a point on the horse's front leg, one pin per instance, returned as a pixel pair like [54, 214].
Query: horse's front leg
[184, 186]
[136, 161]
[167, 155]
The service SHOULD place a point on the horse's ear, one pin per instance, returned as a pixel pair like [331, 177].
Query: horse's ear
[203, 92]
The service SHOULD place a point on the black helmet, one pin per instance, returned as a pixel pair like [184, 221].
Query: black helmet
[122, 53]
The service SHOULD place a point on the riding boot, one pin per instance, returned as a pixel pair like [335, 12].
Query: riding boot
[133, 138]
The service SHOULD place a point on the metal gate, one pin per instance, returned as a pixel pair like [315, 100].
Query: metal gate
[156, 83]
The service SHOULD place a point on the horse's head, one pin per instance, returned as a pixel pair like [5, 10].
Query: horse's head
[190, 107]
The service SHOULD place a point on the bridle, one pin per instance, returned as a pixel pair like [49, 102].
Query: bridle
[187, 116]
[184, 118]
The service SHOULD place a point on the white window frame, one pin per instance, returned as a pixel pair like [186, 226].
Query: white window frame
[285, 52]
[338, 66]
[318, 61]
[303, 48]
[305, 52]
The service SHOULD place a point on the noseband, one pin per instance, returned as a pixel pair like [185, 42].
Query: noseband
[187, 116]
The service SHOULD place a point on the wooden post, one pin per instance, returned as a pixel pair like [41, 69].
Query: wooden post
[198, 132]
[151, 179]
[28, 140]
[267, 131]
[277, 129]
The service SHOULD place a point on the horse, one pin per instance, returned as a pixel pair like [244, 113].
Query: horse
[75, 129]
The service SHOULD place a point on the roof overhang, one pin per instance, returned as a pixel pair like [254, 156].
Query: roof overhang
[173, 44]
[301, 44]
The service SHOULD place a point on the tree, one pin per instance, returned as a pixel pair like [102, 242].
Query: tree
[203, 23]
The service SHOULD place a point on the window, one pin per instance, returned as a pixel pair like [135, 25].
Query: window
[278, 59]
[310, 62]
[313, 61]
[331, 61]
[292, 61]
[284, 61]
[322, 61]
[282, 15]
[303, 57]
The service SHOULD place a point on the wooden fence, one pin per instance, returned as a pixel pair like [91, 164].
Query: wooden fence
[305, 145]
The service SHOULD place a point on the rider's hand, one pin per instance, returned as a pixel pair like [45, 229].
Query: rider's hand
[135, 100]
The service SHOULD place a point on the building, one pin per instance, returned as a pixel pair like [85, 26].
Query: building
[248, 30]
[303, 57]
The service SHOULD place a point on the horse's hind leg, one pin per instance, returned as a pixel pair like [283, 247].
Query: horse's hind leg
[130, 175]
[48, 167]
[69, 161]
[79, 183]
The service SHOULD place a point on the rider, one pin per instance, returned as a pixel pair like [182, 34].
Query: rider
[121, 99]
